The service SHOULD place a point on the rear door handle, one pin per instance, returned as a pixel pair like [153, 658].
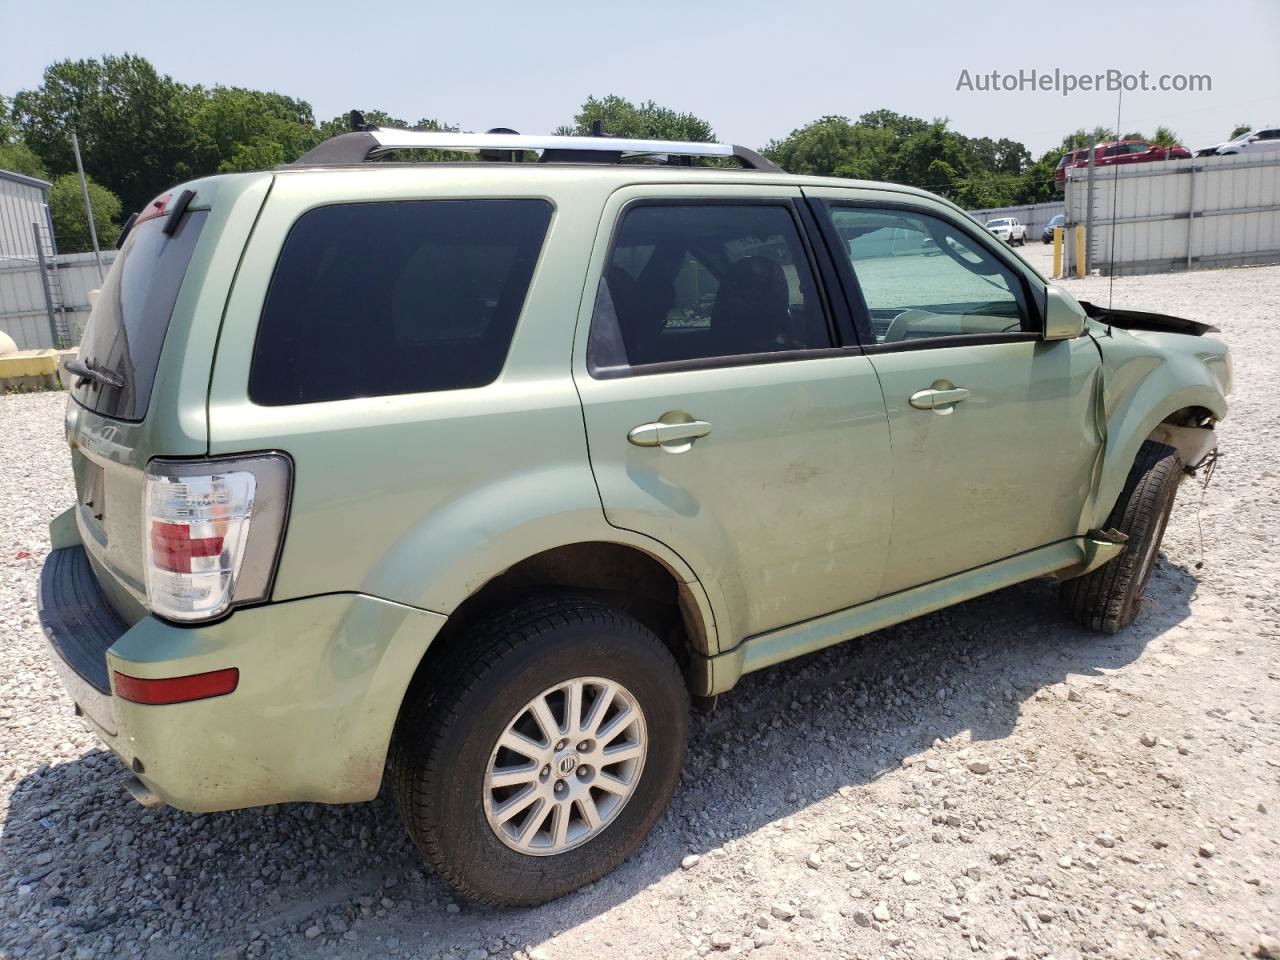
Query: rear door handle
[933, 399]
[679, 435]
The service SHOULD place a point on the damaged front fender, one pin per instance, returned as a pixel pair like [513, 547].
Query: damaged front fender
[1164, 386]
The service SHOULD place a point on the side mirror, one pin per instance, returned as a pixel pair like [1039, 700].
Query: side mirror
[1064, 318]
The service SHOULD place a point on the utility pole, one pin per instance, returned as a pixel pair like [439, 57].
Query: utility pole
[1088, 213]
[88, 207]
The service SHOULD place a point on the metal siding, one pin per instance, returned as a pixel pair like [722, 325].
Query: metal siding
[1166, 217]
[22, 307]
[22, 202]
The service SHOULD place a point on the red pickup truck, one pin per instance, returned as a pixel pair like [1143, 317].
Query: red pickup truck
[1117, 151]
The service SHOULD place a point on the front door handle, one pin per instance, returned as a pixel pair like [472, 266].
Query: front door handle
[936, 399]
[676, 437]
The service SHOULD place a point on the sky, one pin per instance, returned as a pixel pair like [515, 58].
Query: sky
[755, 70]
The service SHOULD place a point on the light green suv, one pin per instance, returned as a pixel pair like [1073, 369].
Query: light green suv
[478, 472]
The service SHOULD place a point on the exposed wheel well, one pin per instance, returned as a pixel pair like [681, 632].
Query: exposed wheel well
[1189, 431]
[617, 574]
[1191, 417]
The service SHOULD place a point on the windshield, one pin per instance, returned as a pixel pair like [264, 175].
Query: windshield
[131, 317]
[1058, 221]
[997, 223]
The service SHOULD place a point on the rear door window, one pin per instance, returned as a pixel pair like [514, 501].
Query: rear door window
[131, 318]
[375, 299]
[694, 282]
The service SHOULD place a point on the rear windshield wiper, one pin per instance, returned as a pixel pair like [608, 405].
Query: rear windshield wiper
[87, 373]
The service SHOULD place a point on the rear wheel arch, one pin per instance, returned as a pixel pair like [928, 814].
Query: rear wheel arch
[639, 583]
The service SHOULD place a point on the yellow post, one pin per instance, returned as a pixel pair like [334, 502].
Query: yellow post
[1057, 252]
[1080, 252]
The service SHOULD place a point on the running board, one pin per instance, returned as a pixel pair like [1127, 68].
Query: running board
[718, 674]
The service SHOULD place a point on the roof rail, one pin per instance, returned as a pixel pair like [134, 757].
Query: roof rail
[370, 143]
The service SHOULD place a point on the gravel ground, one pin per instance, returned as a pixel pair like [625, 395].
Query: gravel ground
[989, 780]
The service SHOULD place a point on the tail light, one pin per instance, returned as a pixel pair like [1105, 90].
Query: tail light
[213, 532]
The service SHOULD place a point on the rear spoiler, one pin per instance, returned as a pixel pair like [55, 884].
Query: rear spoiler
[1142, 320]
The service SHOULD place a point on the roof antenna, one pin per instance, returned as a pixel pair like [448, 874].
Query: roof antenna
[356, 120]
[1115, 194]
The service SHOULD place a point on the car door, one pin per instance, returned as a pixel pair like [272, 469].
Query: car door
[723, 416]
[994, 437]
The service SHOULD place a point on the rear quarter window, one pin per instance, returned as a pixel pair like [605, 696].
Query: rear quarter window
[375, 299]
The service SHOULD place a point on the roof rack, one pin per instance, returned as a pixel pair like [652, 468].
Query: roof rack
[372, 142]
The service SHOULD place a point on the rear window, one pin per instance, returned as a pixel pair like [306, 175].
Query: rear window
[374, 299]
[130, 319]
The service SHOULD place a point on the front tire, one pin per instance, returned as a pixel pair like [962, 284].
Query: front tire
[509, 783]
[1107, 598]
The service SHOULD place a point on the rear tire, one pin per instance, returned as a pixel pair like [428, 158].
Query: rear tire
[1107, 598]
[447, 755]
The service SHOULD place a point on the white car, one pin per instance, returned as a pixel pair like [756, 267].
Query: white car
[1253, 141]
[1009, 230]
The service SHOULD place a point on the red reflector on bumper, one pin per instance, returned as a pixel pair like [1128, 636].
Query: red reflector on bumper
[197, 686]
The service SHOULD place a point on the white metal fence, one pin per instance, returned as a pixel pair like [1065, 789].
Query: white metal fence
[1035, 216]
[31, 298]
[1179, 214]
[23, 310]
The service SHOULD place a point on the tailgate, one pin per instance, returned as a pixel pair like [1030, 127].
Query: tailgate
[148, 349]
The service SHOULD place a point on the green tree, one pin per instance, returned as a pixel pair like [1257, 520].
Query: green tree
[1165, 137]
[1082, 138]
[8, 128]
[342, 124]
[645, 121]
[237, 130]
[71, 222]
[134, 124]
[1240, 128]
[884, 145]
[901, 126]
[936, 159]
[1003, 156]
[833, 147]
[17, 157]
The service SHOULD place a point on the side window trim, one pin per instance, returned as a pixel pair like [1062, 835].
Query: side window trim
[840, 321]
[855, 306]
[826, 298]
[857, 303]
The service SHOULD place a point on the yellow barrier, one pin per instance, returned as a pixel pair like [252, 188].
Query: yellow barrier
[29, 363]
[1080, 252]
[1057, 252]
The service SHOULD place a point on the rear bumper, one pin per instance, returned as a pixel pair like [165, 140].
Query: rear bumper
[80, 627]
[321, 682]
